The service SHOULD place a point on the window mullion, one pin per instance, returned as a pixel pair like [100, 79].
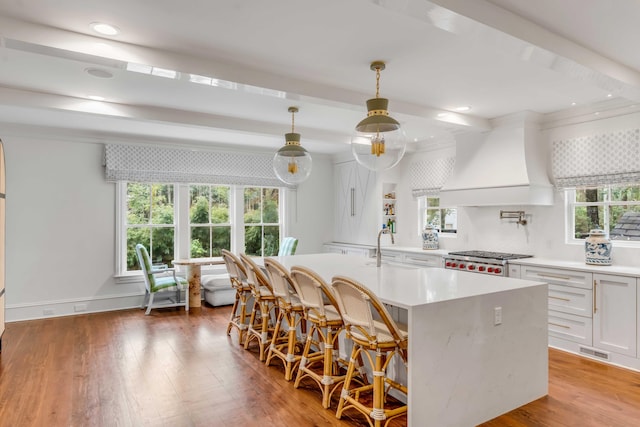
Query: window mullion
[182, 229]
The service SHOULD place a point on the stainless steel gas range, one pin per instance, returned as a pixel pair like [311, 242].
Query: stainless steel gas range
[493, 263]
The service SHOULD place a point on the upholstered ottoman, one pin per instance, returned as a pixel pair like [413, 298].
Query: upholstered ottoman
[217, 289]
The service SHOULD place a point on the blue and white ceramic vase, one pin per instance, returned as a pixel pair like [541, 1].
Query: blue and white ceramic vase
[430, 237]
[597, 248]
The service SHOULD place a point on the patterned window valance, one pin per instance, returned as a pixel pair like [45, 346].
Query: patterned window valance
[159, 164]
[428, 176]
[611, 158]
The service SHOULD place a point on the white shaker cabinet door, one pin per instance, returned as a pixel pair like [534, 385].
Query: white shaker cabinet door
[614, 314]
[356, 214]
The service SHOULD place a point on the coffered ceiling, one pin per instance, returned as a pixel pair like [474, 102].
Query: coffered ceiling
[224, 72]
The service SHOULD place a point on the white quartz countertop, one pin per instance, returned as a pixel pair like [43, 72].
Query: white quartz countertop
[403, 285]
[625, 270]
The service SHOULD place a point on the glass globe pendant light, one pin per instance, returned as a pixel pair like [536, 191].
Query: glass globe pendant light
[379, 141]
[292, 163]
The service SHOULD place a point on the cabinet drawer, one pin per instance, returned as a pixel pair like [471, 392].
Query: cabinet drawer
[568, 299]
[391, 256]
[570, 327]
[555, 276]
[424, 260]
[514, 271]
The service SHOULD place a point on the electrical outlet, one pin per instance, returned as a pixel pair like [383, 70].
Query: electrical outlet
[497, 316]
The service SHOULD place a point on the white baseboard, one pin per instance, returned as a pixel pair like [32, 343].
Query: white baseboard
[71, 307]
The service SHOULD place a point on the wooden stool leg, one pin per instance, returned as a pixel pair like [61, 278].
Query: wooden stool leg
[347, 380]
[276, 332]
[291, 347]
[305, 357]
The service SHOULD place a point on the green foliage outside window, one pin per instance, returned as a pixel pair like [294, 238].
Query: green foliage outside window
[443, 219]
[209, 217]
[262, 230]
[603, 208]
[150, 222]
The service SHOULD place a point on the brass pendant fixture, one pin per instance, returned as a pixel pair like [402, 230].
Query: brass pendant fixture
[379, 141]
[292, 163]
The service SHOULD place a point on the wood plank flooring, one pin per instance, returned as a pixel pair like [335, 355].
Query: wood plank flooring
[173, 369]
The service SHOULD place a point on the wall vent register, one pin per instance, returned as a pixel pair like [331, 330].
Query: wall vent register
[484, 262]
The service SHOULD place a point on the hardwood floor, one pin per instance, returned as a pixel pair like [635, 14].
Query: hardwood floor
[172, 369]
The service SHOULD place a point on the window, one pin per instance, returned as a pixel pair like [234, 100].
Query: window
[209, 220]
[149, 220]
[181, 220]
[444, 219]
[615, 209]
[261, 221]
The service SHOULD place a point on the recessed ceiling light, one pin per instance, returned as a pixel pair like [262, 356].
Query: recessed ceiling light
[463, 108]
[443, 114]
[573, 104]
[609, 95]
[99, 72]
[104, 29]
[415, 139]
[96, 98]
[597, 113]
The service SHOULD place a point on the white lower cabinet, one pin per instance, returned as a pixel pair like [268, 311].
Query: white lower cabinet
[424, 260]
[595, 310]
[571, 327]
[614, 313]
[347, 249]
[412, 258]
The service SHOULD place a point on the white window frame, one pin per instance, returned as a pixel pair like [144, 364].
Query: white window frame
[570, 205]
[422, 207]
[182, 226]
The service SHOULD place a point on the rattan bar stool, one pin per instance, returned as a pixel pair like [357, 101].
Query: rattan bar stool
[359, 308]
[320, 360]
[261, 323]
[285, 344]
[239, 318]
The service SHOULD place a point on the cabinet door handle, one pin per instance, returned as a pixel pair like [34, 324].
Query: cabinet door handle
[595, 291]
[554, 276]
[559, 325]
[561, 299]
[353, 201]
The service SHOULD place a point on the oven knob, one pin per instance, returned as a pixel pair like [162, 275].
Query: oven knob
[490, 270]
[472, 267]
[462, 266]
[454, 265]
[498, 270]
[481, 268]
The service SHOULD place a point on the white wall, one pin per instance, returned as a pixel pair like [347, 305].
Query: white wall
[61, 227]
[311, 210]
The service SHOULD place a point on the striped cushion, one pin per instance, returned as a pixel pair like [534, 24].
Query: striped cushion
[288, 246]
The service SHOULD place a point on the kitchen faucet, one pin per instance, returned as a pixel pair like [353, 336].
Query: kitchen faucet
[378, 255]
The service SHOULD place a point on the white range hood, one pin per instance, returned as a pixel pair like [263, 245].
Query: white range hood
[504, 167]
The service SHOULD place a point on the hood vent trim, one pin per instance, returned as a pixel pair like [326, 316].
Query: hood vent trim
[504, 167]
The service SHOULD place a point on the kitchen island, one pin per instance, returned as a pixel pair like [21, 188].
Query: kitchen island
[477, 343]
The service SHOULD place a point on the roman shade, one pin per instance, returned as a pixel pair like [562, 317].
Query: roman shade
[428, 176]
[141, 163]
[595, 160]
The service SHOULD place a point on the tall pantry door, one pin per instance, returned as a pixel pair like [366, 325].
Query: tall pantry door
[2, 240]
